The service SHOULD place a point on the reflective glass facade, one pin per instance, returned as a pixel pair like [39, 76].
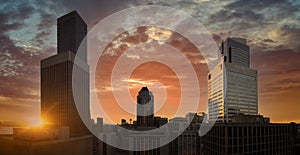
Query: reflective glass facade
[236, 51]
[232, 84]
[57, 100]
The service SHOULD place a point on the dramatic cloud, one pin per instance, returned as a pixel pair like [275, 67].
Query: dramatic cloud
[271, 27]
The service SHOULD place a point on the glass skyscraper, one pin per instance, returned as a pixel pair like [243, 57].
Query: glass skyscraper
[232, 84]
[57, 101]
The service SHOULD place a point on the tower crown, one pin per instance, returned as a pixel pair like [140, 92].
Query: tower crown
[144, 89]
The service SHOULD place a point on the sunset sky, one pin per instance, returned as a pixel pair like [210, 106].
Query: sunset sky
[271, 27]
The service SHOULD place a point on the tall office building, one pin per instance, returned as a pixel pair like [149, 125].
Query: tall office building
[57, 101]
[232, 84]
[145, 107]
[236, 51]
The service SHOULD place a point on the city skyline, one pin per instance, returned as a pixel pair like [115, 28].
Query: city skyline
[278, 80]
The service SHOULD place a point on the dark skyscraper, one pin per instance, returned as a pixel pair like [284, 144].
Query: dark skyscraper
[145, 107]
[71, 30]
[57, 101]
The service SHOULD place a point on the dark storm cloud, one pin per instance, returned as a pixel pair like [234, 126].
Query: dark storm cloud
[217, 38]
[263, 4]
[272, 10]
[284, 37]
[268, 40]
[18, 60]
[11, 17]
[19, 74]
[9, 65]
[243, 16]
[19, 67]
[17, 11]
[47, 21]
[5, 27]
[92, 11]
[235, 15]
[14, 13]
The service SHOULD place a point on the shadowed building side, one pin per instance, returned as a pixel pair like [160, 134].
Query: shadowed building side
[57, 101]
[71, 30]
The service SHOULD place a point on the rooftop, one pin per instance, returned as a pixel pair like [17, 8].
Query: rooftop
[144, 89]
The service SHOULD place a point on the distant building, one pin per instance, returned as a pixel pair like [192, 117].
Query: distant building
[178, 123]
[108, 133]
[245, 138]
[57, 102]
[128, 137]
[194, 118]
[158, 121]
[148, 139]
[241, 118]
[123, 122]
[186, 142]
[145, 107]
[232, 85]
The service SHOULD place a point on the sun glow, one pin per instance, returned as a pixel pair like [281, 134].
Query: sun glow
[39, 123]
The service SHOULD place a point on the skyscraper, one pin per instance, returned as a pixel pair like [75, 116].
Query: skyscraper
[71, 30]
[236, 51]
[145, 107]
[232, 84]
[57, 101]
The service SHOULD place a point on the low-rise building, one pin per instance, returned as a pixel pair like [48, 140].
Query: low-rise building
[248, 138]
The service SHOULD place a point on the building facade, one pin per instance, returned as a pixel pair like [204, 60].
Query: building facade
[145, 107]
[244, 138]
[236, 51]
[57, 100]
[232, 85]
[186, 142]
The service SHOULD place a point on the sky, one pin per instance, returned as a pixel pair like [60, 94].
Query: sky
[271, 27]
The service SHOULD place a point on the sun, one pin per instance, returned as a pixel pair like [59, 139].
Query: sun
[39, 123]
